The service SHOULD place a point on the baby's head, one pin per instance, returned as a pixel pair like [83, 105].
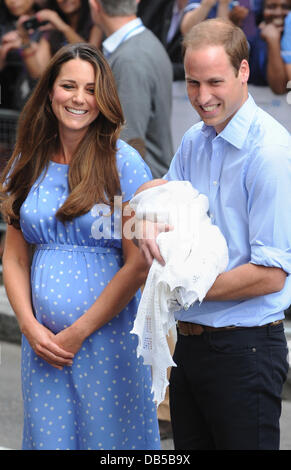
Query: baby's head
[151, 184]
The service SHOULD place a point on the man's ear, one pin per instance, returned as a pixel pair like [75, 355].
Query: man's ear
[244, 71]
[95, 6]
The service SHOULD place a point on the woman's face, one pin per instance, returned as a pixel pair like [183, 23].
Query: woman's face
[69, 6]
[20, 7]
[73, 98]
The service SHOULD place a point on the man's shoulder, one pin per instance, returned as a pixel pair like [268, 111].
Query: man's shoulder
[267, 131]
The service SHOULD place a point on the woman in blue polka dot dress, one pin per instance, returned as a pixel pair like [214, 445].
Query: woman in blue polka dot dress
[63, 192]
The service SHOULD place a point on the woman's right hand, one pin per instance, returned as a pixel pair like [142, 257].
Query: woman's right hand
[54, 20]
[44, 344]
[9, 41]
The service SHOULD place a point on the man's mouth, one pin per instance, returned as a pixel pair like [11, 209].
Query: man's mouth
[209, 108]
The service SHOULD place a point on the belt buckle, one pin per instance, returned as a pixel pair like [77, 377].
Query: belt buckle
[196, 330]
[190, 329]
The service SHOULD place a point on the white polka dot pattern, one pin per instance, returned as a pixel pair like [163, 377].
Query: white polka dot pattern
[104, 400]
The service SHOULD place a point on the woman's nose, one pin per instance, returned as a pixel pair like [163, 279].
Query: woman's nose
[79, 96]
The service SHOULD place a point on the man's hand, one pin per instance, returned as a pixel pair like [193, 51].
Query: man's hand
[238, 14]
[146, 235]
[270, 32]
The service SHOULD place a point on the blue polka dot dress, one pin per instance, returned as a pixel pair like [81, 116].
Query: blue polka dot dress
[104, 400]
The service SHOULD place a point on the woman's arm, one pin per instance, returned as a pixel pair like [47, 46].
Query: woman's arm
[115, 296]
[35, 55]
[96, 36]
[16, 273]
[56, 22]
[196, 16]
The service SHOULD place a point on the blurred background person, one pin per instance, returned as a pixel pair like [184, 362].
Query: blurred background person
[286, 47]
[201, 10]
[266, 62]
[16, 82]
[143, 74]
[61, 23]
[163, 18]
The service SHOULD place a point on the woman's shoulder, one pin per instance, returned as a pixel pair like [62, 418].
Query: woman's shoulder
[132, 169]
[128, 155]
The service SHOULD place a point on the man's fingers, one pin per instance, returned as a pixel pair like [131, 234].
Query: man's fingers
[151, 251]
[147, 255]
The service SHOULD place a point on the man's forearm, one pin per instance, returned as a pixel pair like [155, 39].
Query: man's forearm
[246, 281]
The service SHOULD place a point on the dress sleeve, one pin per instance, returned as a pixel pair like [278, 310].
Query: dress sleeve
[133, 171]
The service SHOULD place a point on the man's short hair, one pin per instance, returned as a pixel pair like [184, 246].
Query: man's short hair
[119, 7]
[219, 32]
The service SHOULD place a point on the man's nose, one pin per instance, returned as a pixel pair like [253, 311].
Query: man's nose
[203, 95]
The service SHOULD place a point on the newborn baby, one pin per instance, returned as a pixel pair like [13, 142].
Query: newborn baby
[194, 252]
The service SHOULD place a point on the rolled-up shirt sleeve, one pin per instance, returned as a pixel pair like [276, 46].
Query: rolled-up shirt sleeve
[268, 183]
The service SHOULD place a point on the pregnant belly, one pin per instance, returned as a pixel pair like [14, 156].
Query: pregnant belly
[64, 288]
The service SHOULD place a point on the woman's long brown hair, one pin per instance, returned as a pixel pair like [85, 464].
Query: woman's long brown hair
[93, 175]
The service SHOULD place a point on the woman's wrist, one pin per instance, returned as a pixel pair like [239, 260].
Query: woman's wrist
[28, 49]
[27, 324]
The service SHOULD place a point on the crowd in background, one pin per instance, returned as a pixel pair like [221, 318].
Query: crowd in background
[27, 46]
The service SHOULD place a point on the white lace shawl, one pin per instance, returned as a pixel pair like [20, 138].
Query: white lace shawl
[195, 253]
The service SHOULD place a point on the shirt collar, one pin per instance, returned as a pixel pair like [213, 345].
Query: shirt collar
[237, 129]
[122, 34]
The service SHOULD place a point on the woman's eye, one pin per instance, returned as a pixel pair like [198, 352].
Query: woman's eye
[68, 87]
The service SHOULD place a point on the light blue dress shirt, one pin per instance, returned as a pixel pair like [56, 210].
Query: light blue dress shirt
[127, 31]
[245, 171]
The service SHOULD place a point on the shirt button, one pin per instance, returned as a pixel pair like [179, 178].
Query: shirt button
[215, 183]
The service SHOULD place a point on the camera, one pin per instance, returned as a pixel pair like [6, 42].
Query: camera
[33, 23]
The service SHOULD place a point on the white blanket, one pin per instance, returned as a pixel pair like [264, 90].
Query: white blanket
[195, 253]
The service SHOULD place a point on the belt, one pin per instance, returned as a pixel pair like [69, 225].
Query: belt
[82, 248]
[194, 329]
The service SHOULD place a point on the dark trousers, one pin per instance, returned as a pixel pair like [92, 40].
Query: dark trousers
[225, 393]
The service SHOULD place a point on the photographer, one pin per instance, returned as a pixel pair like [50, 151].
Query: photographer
[16, 82]
[60, 23]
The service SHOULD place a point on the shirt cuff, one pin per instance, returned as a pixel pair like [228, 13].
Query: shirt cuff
[272, 257]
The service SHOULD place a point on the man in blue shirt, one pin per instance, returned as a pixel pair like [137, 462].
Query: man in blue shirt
[231, 352]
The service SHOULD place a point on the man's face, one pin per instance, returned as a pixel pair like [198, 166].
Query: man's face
[214, 89]
[275, 11]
